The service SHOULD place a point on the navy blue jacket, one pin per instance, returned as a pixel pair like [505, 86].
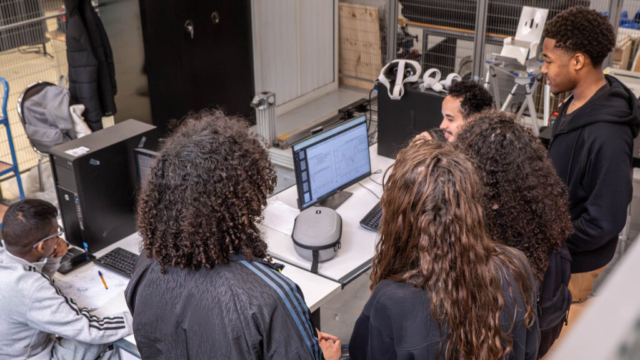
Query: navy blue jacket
[592, 154]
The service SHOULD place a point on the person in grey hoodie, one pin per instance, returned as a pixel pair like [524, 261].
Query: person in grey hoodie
[36, 320]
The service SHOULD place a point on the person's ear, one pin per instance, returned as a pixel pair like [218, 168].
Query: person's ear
[578, 61]
[40, 248]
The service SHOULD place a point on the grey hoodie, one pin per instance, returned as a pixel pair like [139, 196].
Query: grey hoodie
[33, 309]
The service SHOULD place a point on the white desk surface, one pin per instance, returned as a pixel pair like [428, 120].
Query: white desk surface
[358, 244]
[316, 289]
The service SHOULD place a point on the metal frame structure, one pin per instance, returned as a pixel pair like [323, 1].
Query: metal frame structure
[4, 120]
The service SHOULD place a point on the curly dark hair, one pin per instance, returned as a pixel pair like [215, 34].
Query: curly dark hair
[526, 203]
[580, 29]
[474, 97]
[205, 194]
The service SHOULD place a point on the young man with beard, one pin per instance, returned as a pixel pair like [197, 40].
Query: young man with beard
[464, 99]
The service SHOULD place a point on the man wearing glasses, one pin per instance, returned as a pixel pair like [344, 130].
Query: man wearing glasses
[32, 308]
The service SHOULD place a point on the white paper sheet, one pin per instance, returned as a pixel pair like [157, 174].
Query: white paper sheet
[280, 216]
[87, 289]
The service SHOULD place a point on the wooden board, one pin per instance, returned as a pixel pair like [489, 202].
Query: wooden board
[3, 210]
[56, 35]
[402, 21]
[360, 45]
[622, 52]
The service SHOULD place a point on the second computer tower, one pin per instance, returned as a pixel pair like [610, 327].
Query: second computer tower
[400, 120]
[96, 183]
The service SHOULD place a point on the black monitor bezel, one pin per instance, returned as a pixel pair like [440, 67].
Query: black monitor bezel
[298, 171]
[142, 152]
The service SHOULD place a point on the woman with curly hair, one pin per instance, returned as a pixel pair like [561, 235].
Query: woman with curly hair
[441, 288]
[526, 206]
[204, 286]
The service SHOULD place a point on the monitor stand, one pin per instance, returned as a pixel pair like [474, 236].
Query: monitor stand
[334, 201]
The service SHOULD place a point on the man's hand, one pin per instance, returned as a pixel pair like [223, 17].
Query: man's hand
[60, 249]
[330, 345]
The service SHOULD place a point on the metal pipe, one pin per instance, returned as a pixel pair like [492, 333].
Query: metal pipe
[42, 18]
[31, 21]
[547, 105]
[392, 30]
[615, 9]
[479, 39]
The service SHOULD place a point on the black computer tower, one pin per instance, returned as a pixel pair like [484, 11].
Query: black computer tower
[96, 181]
[400, 120]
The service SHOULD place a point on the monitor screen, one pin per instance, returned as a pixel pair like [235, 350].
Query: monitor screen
[145, 159]
[331, 161]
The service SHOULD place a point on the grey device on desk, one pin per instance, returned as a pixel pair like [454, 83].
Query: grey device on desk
[330, 162]
[95, 180]
[316, 235]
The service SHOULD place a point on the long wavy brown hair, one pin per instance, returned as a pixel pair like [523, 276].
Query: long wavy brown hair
[432, 236]
[205, 194]
[526, 204]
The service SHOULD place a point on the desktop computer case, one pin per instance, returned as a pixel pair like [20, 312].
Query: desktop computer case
[400, 120]
[96, 187]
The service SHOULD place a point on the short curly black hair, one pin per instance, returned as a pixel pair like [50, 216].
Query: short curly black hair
[474, 97]
[580, 29]
[206, 193]
[526, 203]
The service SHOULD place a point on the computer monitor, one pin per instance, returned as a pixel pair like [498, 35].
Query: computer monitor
[145, 159]
[331, 161]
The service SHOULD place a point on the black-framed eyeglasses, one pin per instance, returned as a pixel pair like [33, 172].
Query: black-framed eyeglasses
[58, 234]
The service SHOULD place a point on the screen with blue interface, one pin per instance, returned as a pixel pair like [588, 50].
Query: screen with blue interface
[331, 161]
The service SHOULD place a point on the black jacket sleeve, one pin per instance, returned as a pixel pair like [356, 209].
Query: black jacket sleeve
[278, 340]
[608, 179]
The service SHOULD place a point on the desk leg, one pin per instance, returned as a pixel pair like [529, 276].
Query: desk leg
[315, 319]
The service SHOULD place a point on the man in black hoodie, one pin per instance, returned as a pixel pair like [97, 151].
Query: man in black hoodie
[592, 139]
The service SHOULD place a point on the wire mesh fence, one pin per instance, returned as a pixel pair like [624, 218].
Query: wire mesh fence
[35, 51]
[440, 34]
[32, 49]
[444, 33]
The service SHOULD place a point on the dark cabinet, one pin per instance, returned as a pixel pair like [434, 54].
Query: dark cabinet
[198, 54]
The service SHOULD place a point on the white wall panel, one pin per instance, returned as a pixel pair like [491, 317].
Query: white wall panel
[279, 47]
[316, 44]
[295, 46]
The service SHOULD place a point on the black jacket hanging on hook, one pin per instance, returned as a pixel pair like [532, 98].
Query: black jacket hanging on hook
[92, 79]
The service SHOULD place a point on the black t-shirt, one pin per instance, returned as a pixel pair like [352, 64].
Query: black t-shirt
[565, 118]
[396, 323]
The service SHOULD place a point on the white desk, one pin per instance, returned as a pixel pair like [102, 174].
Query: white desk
[316, 289]
[358, 244]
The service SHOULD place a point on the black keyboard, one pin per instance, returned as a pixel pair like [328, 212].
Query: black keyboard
[119, 261]
[372, 219]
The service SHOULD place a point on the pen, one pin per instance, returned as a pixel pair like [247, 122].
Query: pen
[102, 278]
